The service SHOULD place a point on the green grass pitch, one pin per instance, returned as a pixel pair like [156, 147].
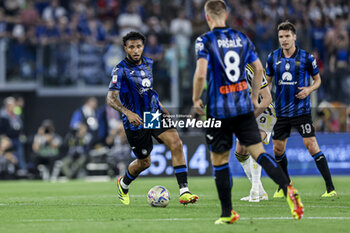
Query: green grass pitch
[79, 206]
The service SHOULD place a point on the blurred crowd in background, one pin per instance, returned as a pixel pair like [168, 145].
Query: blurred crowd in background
[63, 43]
[95, 143]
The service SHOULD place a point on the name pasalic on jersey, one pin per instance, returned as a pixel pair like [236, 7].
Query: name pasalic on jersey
[230, 43]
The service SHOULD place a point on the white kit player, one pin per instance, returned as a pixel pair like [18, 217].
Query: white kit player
[266, 119]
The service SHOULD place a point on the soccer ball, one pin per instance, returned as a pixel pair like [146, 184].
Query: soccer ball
[158, 196]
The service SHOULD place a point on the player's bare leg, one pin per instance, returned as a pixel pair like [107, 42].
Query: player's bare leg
[139, 165]
[322, 165]
[172, 140]
[134, 169]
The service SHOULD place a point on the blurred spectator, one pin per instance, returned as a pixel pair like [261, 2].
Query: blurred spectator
[108, 119]
[11, 11]
[46, 148]
[54, 11]
[113, 55]
[8, 160]
[181, 29]
[264, 33]
[318, 33]
[158, 27]
[79, 144]
[337, 42]
[29, 15]
[64, 29]
[21, 56]
[18, 110]
[198, 25]
[153, 49]
[3, 24]
[48, 33]
[87, 115]
[94, 33]
[331, 117]
[11, 125]
[129, 20]
[107, 9]
[119, 154]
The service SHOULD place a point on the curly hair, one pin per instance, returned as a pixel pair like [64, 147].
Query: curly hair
[134, 36]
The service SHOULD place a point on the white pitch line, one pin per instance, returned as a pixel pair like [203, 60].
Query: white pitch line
[120, 204]
[74, 204]
[183, 219]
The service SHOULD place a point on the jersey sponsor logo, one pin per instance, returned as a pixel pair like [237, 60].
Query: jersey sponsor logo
[235, 87]
[114, 78]
[230, 43]
[287, 79]
[146, 83]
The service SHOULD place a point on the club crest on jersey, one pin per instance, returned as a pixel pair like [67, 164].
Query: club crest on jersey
[146, 83]
[143, 74]
[287, 66]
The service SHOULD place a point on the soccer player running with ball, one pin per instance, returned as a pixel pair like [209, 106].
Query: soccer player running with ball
[132, 83]
[289, 69]
[222, 55]
[266, 119]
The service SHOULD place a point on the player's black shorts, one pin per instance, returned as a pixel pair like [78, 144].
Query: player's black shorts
[302, 123]
[141, 140]
[243, 126]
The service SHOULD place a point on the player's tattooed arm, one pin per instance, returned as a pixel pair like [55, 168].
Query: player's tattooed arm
[113, 101]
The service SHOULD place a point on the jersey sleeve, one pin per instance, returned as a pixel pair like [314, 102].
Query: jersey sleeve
[269, 66]
[252, 55]
[264, 82]
[312, 66]
[116, 79]
[201, 48]
[250, 75]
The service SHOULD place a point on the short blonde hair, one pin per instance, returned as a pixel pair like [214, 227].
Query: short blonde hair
[215, 8]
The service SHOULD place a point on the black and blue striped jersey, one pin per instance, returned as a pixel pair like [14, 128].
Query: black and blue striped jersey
[228, 52]
[135, 86]
[288, 75]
